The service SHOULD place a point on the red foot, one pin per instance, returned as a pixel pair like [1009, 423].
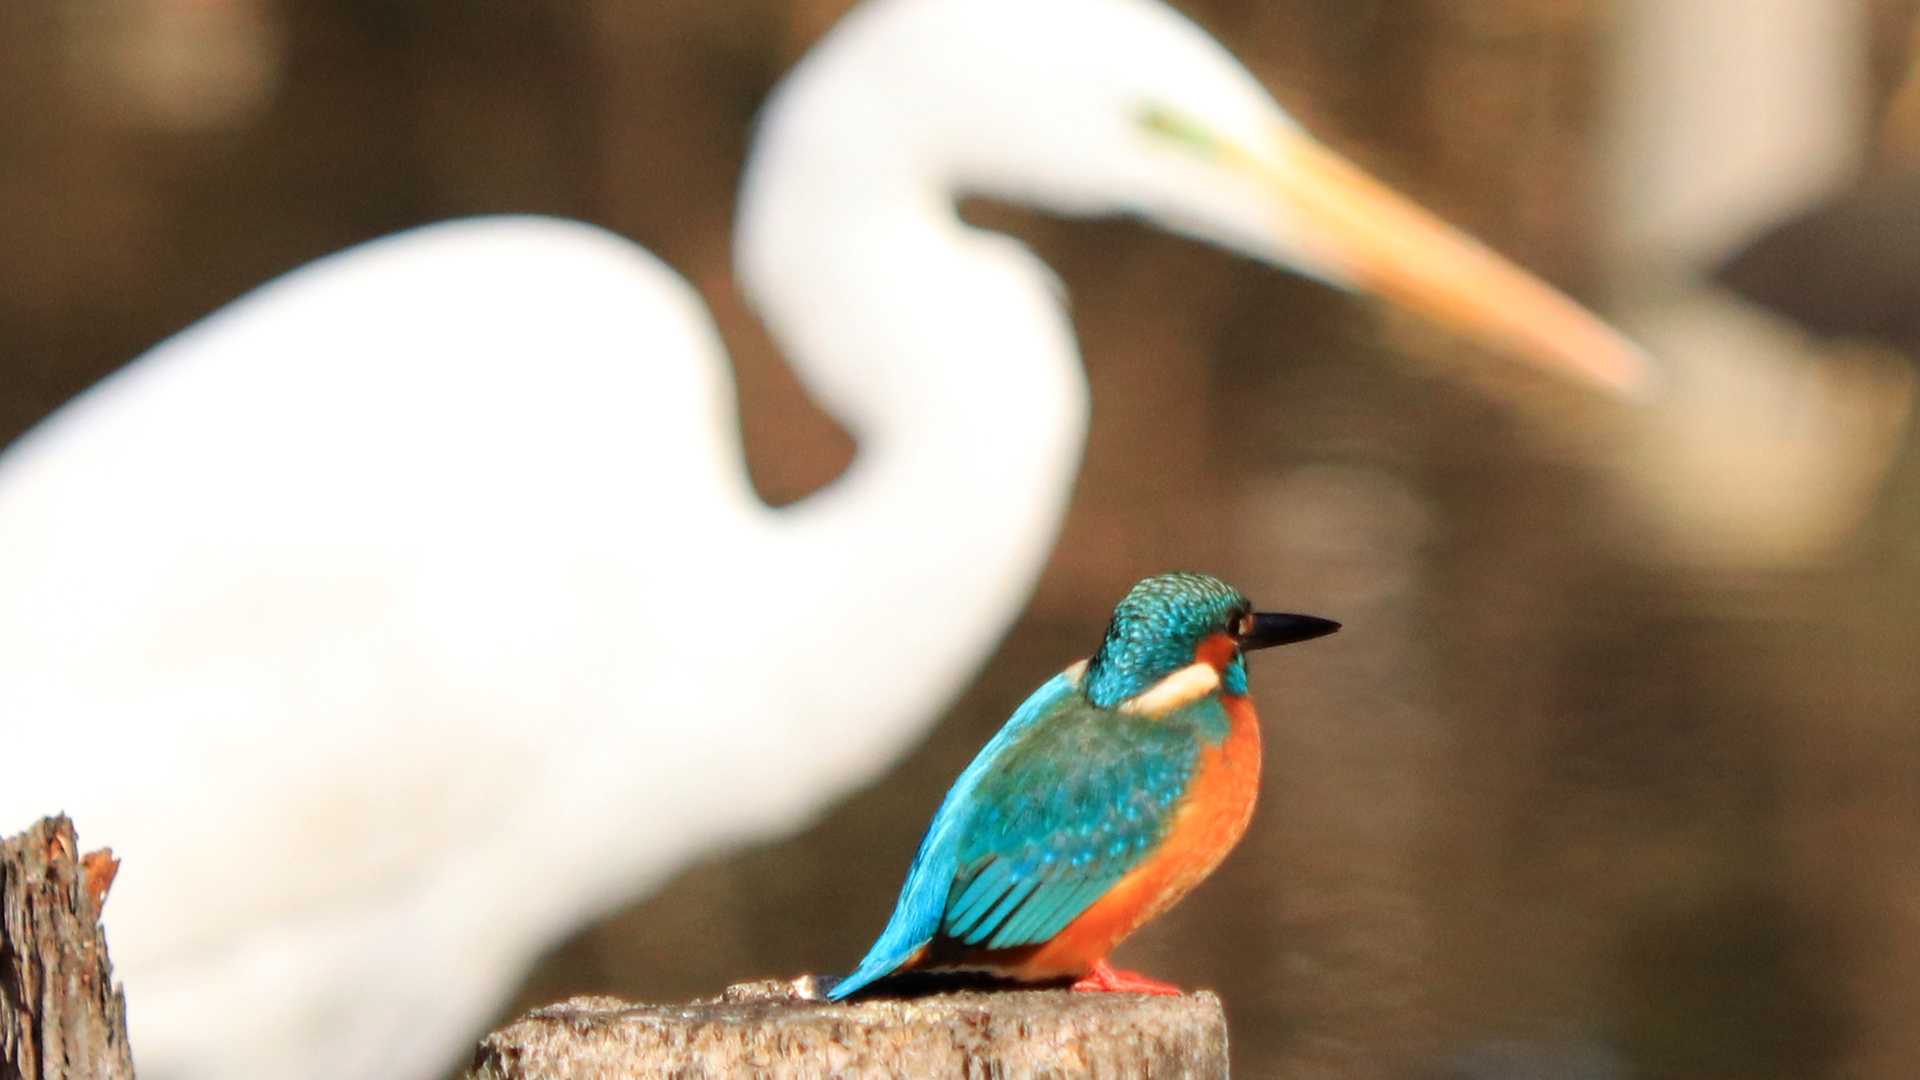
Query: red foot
[1104, 978]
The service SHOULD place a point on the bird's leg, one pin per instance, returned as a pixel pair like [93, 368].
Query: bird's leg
[1106, 978]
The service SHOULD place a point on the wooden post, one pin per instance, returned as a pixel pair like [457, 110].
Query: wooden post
[61, 1017]
[782, 1029]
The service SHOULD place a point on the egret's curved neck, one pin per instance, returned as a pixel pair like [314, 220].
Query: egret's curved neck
[946, 352]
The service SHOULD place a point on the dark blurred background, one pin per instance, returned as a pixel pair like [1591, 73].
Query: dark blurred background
[1565, 799]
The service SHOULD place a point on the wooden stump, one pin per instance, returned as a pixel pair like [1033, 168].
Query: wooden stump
[61, 1018]
[783, 1029]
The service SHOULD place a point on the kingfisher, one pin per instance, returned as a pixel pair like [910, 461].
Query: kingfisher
[1107, 796]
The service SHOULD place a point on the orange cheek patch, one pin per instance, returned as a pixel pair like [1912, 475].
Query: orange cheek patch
[1215, 649]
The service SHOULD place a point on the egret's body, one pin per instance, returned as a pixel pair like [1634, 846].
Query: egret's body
[375, 620]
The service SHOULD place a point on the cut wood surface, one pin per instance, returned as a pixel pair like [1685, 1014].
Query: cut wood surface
[61, 1017]
[783, 1029]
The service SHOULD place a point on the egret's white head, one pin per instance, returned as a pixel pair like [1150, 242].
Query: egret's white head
[1082, 106]
[1125, 106]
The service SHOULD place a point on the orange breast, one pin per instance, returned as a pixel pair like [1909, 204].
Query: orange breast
[1209, 821]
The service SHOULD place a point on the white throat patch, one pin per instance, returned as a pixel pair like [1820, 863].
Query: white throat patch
[1183, 687]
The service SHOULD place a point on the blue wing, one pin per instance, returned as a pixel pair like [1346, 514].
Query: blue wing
[916, 915]
[1042, 823]
[1064, 815]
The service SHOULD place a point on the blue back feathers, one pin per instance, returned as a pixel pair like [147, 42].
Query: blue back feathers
[923, 899]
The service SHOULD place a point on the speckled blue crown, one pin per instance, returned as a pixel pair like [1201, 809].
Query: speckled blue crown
[1154, 630]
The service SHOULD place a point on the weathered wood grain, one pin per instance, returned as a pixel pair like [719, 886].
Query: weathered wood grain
[783, 1029]
[61, 1017]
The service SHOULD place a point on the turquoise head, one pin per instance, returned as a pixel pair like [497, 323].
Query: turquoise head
[1171, 621]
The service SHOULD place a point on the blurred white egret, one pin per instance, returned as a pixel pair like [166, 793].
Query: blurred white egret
[415, 608]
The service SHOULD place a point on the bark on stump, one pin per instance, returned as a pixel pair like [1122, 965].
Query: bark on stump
[783, 1029]
[61, 1017]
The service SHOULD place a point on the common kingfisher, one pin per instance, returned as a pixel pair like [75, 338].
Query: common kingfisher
[1110, 793]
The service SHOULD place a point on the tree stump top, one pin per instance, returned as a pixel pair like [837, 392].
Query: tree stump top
[774, 1028]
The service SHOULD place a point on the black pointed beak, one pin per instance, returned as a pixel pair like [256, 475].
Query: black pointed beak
[1272, 628]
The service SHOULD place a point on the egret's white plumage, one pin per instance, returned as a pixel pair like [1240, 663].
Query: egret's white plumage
[405, 613]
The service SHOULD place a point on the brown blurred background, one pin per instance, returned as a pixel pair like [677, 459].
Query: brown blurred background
[1563, 800]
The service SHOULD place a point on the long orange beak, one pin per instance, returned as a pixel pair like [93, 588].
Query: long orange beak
[1382, 242]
